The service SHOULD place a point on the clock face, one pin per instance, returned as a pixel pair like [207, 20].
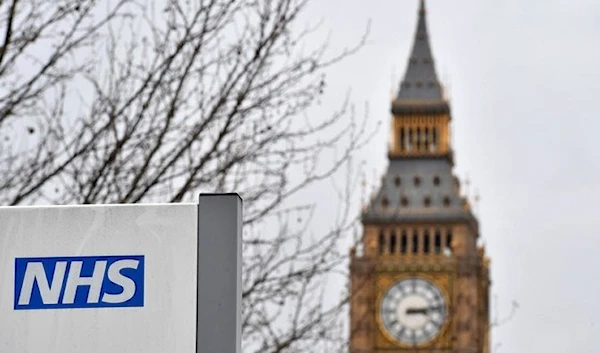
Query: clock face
[413, 311]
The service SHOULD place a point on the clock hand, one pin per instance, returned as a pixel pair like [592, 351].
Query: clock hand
[424, 311]
[413, 311]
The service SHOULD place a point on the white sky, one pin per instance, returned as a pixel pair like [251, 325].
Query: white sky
[524, 85]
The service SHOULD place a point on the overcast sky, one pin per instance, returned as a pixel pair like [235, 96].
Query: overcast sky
[525, 89]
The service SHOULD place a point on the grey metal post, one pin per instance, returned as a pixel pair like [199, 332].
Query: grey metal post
[218, 328]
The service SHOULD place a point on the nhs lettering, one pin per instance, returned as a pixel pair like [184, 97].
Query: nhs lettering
[79, 282]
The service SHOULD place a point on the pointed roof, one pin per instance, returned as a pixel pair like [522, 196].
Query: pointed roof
[420, 80]
[400, 200]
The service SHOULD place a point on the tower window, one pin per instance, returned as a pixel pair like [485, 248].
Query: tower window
[402, 139]
[404, 201]
[436, 180]
[446, 201]
[417, 181]
[393, 242]
[381, 242]
[434, 136]
[427, 201]
[448, 249]
[415, 242]
[426, 242]
[397, 181]
[403, 242]
[385, 202]
[437, 241]
[410, 138]
[426, 137]
[418, 138]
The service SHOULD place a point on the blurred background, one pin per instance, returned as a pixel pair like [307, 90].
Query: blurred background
[523, 80]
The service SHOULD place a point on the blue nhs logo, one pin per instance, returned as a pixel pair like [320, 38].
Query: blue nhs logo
[79, 282]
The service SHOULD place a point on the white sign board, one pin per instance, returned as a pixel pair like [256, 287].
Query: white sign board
[97, 279]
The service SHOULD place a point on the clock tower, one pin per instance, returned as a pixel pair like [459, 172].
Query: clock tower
[419, 280]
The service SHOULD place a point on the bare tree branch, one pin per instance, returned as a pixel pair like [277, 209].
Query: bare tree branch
[131, 101]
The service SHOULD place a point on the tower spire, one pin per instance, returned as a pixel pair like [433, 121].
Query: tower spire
[420, 80]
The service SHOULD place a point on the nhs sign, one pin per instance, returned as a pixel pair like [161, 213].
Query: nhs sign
[149, 278]
[79, 282]
[99, 278]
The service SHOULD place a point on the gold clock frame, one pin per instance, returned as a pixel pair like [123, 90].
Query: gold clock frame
[384, 283]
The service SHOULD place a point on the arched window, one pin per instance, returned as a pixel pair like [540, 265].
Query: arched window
[403, 242]
[438, 241]
[393, 242]
[402, 139]
[426, 242]
[449, 241]
[415, 242]
[381, 242]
